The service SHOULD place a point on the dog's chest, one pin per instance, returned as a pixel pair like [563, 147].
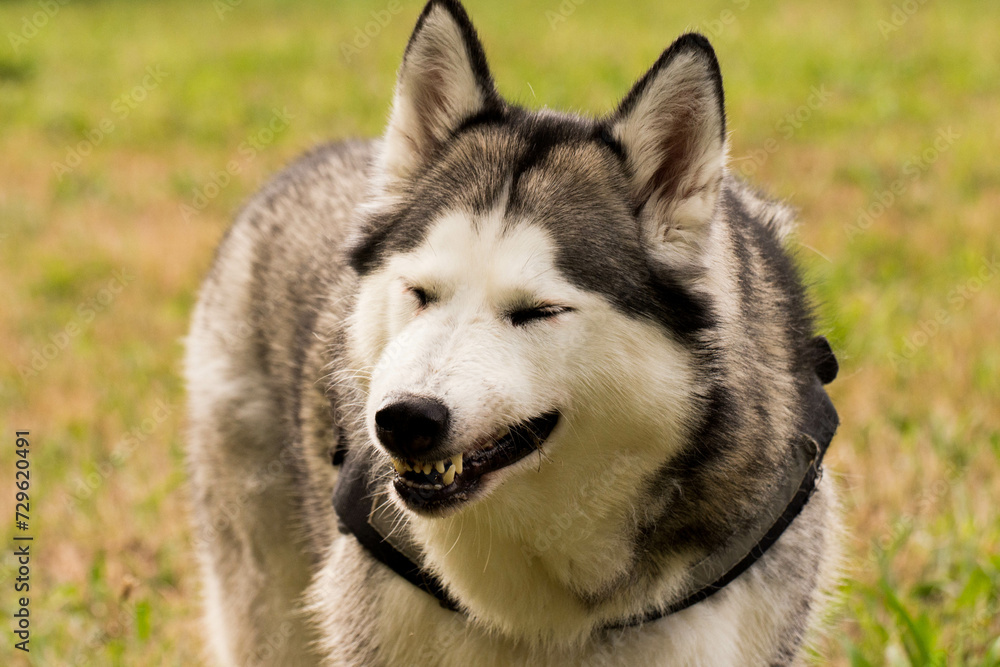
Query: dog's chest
[405, 626]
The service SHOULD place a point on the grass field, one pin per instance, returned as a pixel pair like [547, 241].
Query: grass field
[130, 132]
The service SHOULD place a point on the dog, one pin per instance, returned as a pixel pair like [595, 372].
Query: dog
[513, 387]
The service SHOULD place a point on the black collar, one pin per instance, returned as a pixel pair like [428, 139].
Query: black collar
[364, 509]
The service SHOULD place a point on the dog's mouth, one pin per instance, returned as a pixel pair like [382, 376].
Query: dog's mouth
[436, 485]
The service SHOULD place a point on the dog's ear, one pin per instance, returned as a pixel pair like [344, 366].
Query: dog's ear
[672, 130]
[444, 80]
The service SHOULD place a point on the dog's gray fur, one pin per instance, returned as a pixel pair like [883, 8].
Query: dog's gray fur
[277, 397]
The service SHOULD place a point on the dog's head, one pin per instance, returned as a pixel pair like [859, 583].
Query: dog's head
[580, 342]
[529, 290]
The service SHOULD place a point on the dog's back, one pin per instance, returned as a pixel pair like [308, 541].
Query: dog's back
[252, 385]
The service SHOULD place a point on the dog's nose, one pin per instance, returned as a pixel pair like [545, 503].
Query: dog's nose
[411, 426]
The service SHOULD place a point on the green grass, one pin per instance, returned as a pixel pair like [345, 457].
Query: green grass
[915, 328]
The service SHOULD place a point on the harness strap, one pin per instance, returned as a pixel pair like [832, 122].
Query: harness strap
[364, 509]
[812, 442]
[361, 507]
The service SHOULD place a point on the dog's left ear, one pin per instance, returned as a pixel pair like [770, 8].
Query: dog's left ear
[672, 129]
[444, 80]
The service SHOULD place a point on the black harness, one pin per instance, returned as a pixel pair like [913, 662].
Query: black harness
[366, 511]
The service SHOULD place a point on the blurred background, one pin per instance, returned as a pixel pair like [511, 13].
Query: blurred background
[130, 132]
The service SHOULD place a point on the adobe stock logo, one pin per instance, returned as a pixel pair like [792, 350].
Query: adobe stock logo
[31, 26]
[121, 108]
[786, 127]
[363, 35]
[960, 295]
[901, 13]
[565, 9]
[217, 181]
[86, 312]
[912, 170]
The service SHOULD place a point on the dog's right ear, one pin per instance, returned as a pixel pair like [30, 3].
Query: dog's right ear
[444, 80]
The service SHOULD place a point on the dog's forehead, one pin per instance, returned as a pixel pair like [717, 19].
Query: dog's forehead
[555, 172]
[529, 162]
[542, 168]
[484, 251]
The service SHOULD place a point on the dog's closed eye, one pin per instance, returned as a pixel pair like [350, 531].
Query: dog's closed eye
[523, 316]
[421, 295]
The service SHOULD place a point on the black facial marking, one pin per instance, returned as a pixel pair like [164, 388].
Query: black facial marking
[563, 173]
[493, 115]
[542, 136]
[605, 137]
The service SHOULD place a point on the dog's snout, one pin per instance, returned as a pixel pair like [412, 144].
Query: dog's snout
[411, 426]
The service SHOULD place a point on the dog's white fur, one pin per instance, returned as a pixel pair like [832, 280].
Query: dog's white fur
[586, 362]
[735, 627]
[624, 388]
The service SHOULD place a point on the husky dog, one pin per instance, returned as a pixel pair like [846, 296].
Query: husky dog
[512, 387]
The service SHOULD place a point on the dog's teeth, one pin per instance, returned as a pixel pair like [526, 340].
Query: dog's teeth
[456, 462]
[399, 466]
[439, 466]
[449, 476]
[426, 469]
